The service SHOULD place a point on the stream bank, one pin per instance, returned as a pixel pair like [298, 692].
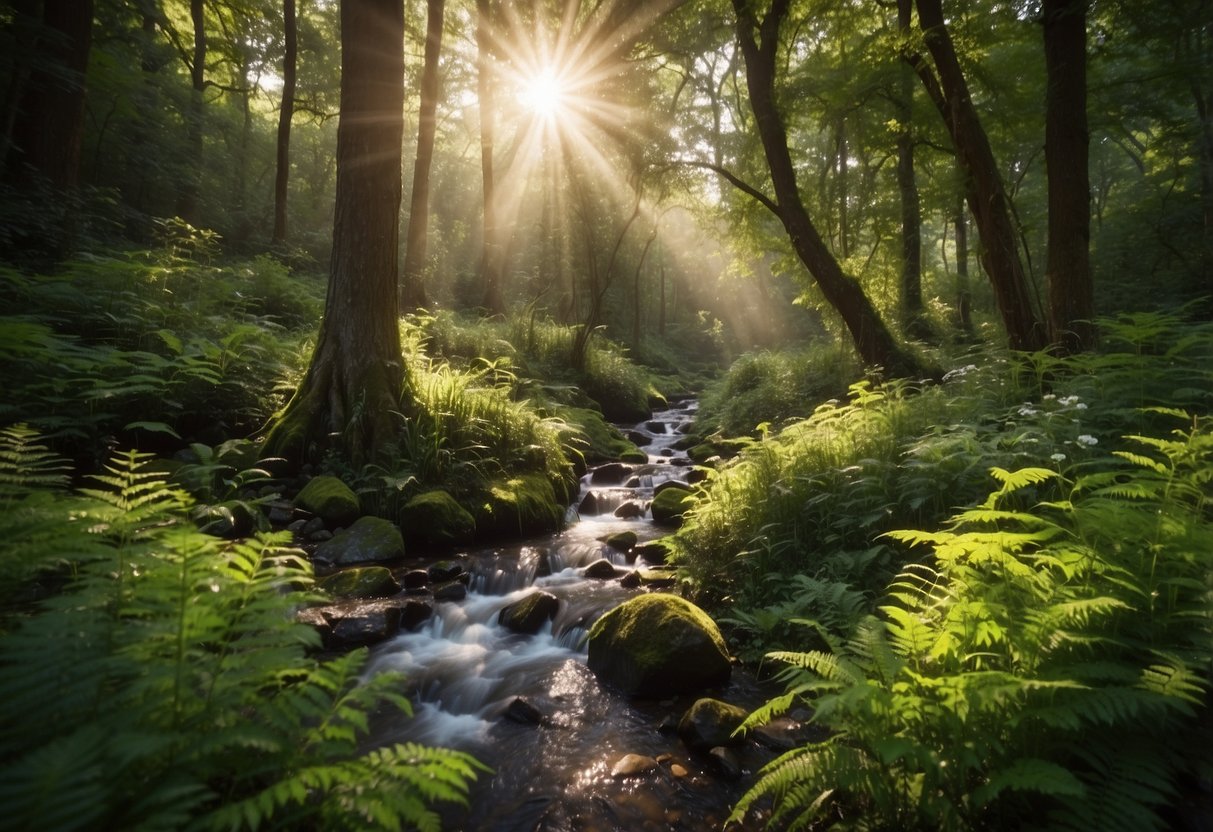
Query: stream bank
[528, 706]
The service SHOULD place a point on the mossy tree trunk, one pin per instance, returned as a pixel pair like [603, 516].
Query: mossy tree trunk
[355, 379]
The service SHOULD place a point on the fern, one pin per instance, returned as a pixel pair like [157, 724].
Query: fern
[165, 683]
[1008, 676]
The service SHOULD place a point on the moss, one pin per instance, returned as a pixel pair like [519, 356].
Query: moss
[369, 540]
[434, 518]
[620, 541]
[597, 440]
[670, 505]
[658, 644]
[364, 582]
[710, 723]
[330, 499]
[523, 505]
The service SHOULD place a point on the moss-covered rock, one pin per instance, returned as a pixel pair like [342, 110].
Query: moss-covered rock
[670, 505]
[369, 540]
[329, 499]
[360, 582]
[519, 506]
[529, 613]
[620, 541]
[658, 645]
[435, 519]
[710, 723]
[715, 446]
[597, 440]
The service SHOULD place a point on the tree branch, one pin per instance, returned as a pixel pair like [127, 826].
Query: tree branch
[739, 184]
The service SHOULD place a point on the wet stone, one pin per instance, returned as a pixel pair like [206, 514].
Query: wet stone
[678, 770]
[631, 765]
[726, 762]
[655, 426]
[443, 571]
[613, 473]
[312, 526]
[320, 536]
[601, 569]
[629, 510]
[297, 526]
[416, 579]
[453, 591]
[630, 580]
[588, 505]
[523, 712]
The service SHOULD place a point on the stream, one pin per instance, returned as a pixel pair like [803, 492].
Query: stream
[466, 672]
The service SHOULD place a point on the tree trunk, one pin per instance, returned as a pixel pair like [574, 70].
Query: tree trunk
[872, 339]
[48, 126]
[290, 28]
[964, 302]
[191, 176]
[412, 285]
[913, 320]
[490, 260]
[991, 206]
[1071, 295]
[356, 375]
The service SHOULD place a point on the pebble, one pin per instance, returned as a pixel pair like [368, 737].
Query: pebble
[630, 765]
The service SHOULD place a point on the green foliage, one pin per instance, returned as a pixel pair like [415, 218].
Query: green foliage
[1044, 666]
[773, 387]
[162, 682]
[151, 347]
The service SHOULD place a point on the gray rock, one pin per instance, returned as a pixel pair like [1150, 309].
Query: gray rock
[312, 526]
[443, 571]
[416, 579]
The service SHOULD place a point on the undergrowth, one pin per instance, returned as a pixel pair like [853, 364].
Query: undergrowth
[154, 677]
[1042, 659]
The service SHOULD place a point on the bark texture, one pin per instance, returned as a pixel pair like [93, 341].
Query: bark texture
[490, 261]
[412, 280]
[989, 202]
[356, 375]
[907, 186]
[872, 338]
[191, 176]
[290, 29]
[48, 124]
[1071, 294]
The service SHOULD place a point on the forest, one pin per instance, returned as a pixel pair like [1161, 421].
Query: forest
[606, 414]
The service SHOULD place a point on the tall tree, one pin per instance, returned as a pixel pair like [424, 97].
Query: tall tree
[874, 342]
[290, 29]
[356, 375]
[48, 125]
[1071, 295]
[989, 201]
[490, 262]
[913, 319]
[412, 279]
[191, 177]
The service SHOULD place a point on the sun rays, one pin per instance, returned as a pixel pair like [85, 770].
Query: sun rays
[566, 122]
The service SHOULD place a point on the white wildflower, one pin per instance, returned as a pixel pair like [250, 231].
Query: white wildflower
[1088, 440]
[1057, 457]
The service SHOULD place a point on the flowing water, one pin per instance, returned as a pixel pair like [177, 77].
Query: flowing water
[465, 671]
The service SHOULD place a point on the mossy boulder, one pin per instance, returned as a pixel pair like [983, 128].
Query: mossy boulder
[710, 723]
[620, 541]
[717, 447]
[519, 506]
[597, 440]
[435, 519]
[361, 582]
[329, 499]
[670, 505]
[529, 613]
[369, 540]
[658, 645]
